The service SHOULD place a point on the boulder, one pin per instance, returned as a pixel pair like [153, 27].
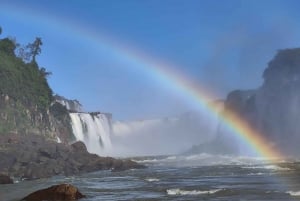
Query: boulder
[119, 165]
[79, 147]
[61, 192]
[4, 179]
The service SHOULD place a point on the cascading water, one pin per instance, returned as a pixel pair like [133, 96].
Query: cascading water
[92, 129]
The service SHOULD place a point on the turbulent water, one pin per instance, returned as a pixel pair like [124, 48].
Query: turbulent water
[198, 177]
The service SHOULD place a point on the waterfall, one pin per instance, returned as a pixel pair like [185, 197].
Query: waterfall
[92, 129]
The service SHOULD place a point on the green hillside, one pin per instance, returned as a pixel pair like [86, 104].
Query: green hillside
[25, 96]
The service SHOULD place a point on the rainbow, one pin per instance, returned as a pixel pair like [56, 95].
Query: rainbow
[164, 73]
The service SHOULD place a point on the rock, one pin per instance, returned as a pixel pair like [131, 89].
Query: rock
[120, 165]
[62, 192]
[79, 146]
[273, 108]
[33, 157]
[4, 179]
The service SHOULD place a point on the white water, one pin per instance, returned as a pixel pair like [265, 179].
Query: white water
[211, 159]
[93, 130]
[152, 179]
[177, 191]
[58, 139]
[294, 193]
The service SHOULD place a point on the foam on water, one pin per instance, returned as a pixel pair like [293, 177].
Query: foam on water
[177, 191]
[268, 167]
[256, 174]
[205, 159]
[152, 179]
[293, 193]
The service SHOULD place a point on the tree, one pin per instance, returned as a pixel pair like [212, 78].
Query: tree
[23, 53]
[0, 30]
[7, 46]
[45, 73]
[35, 48]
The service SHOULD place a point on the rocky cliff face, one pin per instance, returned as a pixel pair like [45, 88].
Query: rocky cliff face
[274, 108]
[26, 102]
[16, 118]
[277, 101]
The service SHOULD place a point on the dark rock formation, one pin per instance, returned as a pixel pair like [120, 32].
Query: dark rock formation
[33, 157]
[274, 108]
[241, 102]
[62, 192]
[5, 179]
[278, 100]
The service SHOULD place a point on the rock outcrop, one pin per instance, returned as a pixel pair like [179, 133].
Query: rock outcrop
[274, 108]
[5, 179]
[62, 192]
[33, 157]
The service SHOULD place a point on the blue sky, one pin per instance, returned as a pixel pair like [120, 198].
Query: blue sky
[222, 45]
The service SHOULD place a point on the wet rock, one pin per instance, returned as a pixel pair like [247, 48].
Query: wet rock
[62, 192]
[5, 179]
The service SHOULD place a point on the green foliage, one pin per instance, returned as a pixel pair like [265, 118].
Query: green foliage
[35, 48]
[24, 82]
[7, 46]
[29, 52]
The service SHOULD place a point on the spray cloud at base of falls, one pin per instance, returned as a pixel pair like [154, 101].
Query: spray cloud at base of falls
[170, 135]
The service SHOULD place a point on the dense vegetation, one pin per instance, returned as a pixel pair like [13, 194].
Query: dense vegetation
[24, 82]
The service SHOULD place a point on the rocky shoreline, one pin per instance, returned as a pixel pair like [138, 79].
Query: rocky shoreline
[29, 157]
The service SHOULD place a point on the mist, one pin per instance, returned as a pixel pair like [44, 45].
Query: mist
[161, 136]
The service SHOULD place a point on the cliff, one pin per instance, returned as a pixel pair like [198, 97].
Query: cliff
[274, 108]
[26, 101]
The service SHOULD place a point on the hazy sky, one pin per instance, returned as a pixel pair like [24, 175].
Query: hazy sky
[223, 45]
